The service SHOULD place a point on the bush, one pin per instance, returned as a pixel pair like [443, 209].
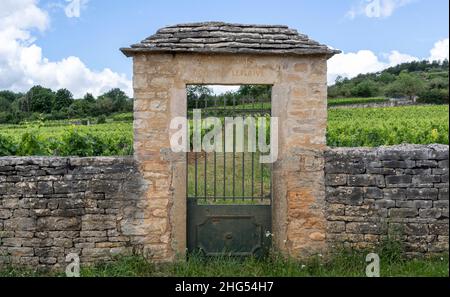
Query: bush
[123, 117]
[366, 88]
[31, 145]
[75, 143]
[101, 120]
[434, 96]
[7, 146]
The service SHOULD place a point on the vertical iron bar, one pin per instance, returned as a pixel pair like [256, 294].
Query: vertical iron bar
[187, 158]
[253, 175]
[243, 175]
[253, 155]
[206, 159]
[270, 194]
[234, 165]
[196, 175]
[196, 158]
[261, 164]
[262, 181]
[206, 155]
[215, 157]
[224, 163]
[215, 173]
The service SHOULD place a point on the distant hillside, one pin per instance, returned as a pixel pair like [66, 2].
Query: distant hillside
[425, 81]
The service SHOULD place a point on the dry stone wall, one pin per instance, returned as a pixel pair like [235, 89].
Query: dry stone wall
[50, 207]
[101, 207]
[401, 191]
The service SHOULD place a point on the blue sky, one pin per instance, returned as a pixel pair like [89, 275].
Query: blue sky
[396, 31]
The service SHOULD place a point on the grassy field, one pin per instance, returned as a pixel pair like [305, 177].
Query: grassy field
[346, 263]
[346, 128]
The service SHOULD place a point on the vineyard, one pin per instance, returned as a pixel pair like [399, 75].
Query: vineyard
[388, 126]
[110, 139]
[346, 128]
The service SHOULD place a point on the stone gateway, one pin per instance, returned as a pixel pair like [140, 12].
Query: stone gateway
[235, 54]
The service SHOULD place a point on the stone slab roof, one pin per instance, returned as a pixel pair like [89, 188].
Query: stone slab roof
[219, 37]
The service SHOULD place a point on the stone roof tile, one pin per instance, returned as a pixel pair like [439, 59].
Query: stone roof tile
[220, 37]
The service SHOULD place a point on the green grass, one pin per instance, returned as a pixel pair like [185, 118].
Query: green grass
[349, 101]
[344, 263]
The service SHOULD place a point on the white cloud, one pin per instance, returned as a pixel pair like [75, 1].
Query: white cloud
[350, 65]
[376, 8]
[23, 65]
[73, 9]
[395, 58]
[440, 50]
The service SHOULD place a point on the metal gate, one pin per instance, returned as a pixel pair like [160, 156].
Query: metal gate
[229, 193]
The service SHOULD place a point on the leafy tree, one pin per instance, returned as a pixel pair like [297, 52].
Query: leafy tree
[434, 96]
[40, 99]
[196, 95]
[118, 98]
[5, 104]
[366, 88]
[23, 103]
[255, 91]
[104, 105]
[63, 98]
[89, 98]
[408, 85]
[10, 96]
[339, 79]
[386, 78]
[79, 108]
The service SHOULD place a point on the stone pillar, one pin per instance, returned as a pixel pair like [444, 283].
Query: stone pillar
[153, 82]
[299, 100]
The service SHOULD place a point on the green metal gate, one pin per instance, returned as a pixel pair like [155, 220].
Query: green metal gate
[229, 194]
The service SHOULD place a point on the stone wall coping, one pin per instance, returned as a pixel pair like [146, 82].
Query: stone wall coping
[402, 147]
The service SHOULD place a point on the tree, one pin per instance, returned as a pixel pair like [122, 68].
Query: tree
[256, 92]
[408, 85]
[386, 78]
[79, 108]
[366, 88]
[5, 110]
[40, 99]
[10, 96]
[89, 98]
[104, 105]
[24, 104]
[63, 98]
[196, 95]
[5, 104]
[118, 98]
[339, 79]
